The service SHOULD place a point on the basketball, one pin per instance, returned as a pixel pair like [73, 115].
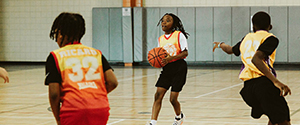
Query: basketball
[156, 55]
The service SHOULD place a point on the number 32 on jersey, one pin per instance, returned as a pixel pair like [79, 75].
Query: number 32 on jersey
[78, 74]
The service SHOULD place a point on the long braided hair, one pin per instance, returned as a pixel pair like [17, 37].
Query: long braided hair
[71, 25]
[177, 24]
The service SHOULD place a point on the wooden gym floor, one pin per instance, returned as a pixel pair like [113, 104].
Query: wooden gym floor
[210, 97]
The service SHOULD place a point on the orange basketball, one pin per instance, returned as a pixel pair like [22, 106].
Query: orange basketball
[156, 55]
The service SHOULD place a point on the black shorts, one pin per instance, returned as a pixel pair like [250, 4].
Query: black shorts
[264, 98]
[173, 74]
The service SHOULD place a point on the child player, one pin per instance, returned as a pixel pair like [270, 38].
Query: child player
[262, 91]
[174, 72]
[78, 76]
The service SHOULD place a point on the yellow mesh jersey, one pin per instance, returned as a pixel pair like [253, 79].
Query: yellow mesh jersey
[248, 47]
[171, 44]
[83, 84]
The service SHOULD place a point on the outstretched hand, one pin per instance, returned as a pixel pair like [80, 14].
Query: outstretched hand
[284, 89]
[216, 45]
[4, 75]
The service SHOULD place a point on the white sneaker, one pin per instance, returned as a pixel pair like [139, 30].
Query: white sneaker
[178, 121]
[151, 123]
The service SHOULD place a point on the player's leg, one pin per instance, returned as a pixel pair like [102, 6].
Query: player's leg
[273, 105]
[175, 103]
[283, 123]
[162, 85]
[179, 79]
[158, 97]
[177, 108]
[270, 123]
[178, 82]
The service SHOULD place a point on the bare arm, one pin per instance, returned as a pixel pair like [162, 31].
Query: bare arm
[226, 48]
[257, 60]
[110, 80]
[54, 98]
[4, 75]
[179, 56]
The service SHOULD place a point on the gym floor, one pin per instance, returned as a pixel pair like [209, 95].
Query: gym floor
[210, 96]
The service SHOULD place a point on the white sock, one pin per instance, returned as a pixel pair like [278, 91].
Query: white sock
[179, 116]
[153, 122]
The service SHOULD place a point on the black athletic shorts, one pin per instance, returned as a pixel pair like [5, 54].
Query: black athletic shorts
[173, 74]
[264, 98]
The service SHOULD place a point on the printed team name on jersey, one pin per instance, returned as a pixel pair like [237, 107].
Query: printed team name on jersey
[84, 85]
[77, 52]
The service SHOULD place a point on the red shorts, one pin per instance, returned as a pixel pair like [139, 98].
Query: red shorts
[85, 117]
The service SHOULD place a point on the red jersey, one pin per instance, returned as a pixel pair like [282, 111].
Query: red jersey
[83, 85]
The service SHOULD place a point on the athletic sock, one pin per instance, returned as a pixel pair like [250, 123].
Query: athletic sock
[178, 117]
[153, 122]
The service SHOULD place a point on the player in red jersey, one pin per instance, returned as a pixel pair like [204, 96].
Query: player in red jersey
[79, 77]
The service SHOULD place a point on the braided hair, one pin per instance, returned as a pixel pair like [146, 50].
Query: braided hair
[177, 24]
[71, 25]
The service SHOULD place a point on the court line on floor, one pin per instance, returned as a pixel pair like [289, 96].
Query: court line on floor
[116, 122]
[218, 90]
[48, 122]
[22, 108]
[26, 117]
[135, 78]
[193, 121]
[295, 112]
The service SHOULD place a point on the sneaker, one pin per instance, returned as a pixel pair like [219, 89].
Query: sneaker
[151, 123]
[179, 121]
